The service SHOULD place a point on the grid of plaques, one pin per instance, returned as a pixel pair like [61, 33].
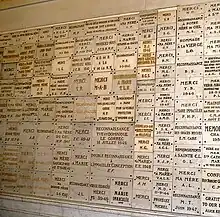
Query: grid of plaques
[120, 111]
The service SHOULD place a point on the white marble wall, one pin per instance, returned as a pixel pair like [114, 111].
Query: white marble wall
[64, 11]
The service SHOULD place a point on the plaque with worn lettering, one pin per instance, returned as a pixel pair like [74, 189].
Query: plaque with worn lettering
[167, 16]
[63, 134]
[211, 46]
[103, 62]
[147, 46]
[189, 11]
[25, 182]
[77, 29]
[188, 110]
[187, 180]
[166, 43]
[8, 70]
[163, 189]
[27, 52]
[148, 33]
[210, 157]
[81, 64]
[141, 199]
[102, 26]
[189, 88]
[210, 180]
[187, 66]
[124, 82]
[9, 180]
[164, 100]
[124, 108]
[42, 67]
[80, 161]
[6, 88]
[211, 88]
[40, 86]
[61, 31]
[3, 114]
[210, 204]
[113, 136]
[59, 86]
[106, 108]
[59, 185]
[164, 129]
[101, 83]
[166, 30]
[11, 54]
[61, 66]
[143, 161]
[45, 50]
[5, 39]
[163, 159]
[84, 45]
[187, 156]
[45, 131]
[147, 18]
[126, 61]
[129, 22]
[161, 203]
[41, 183]
[142, 180]
[165, 85]
[14, 109]
[64, 47]
[46, 109]
[29, 36]
[163, 144]
[28, 134]
[15, 38]
[10, 156]
[61, 160]
[146, 59]
[43, 159]
[161, 173]
[188, 133]
[121, 191]
[64, 109]
[166, 57]
[190, 45]
[30, 110]
[45, 34]
[26, 158]
[127, 41]
[186, 202]
[79, 85]
[145, 100]
[79, 188]
[145, 86]
[105, 43]
[115, 163]
[146, 73]
[193, 25]
[82, 135]
[85, 109]
[211, 132]
[99, 190]
[25, 69]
